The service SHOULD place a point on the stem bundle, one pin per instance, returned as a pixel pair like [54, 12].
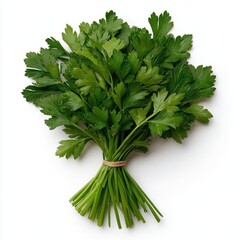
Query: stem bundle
[113, 188]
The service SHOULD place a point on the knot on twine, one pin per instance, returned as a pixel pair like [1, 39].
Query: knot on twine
[114, 164]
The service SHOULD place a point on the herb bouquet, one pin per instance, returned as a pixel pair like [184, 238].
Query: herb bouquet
[117, 86]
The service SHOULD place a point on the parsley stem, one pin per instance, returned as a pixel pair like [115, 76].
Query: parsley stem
[125, 141]
[113, 188]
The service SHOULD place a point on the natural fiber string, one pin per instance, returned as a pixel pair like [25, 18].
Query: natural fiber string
[114, 164]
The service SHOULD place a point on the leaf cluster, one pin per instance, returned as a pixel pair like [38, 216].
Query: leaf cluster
[118, 85]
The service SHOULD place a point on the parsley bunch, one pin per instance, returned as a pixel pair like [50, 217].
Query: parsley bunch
[118, 86]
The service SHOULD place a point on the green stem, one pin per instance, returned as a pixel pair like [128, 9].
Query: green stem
[127, 139]
[113, 188]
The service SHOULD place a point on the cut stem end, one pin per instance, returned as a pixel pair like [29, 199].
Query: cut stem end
[113, 188]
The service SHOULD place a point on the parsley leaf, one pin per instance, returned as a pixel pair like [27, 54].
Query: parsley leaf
[70, 148]
[149, 77]
[71, 38]
[54, 105]
[160, 25]
[161, 101]
[119, 65]
[163, 121]
[141, 38]
[202, 115]
[113, 44]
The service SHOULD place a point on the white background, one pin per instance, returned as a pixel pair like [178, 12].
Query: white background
[196, 184]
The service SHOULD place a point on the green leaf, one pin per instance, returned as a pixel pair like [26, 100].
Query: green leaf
[85, 32]
[56, 47]
[34, 60]
[204, 82]
[140, 145]
[113, 44]
[101, 114]
[34, 94]
[140, 114]
[43, 62]
[96, 97]
[160, 25]
[163, 122]
[86, 79]
[35, 73]
[149, 77]
[49, 61]
[170, 51]
[158, 100]
[74, 102]
[173, 101]
[195, 83]
[112, 23]
[180, 132]
[180, 79]
[136, 96]
[134, 62]
[126, 123]
[87, 54]
[53, 105]
[98, 118]
[202, 115]
[54, 122]
[70, 148]
[118, 93]
[124, 33]
[183, 43]
[115, 119]
[170, 103]
[71, 38]
[142, 43]
[74, 132]
[177, 49]
[46, 81]
[203, 76]
[119, 65]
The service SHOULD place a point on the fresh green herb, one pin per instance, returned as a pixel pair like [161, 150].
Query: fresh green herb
[118, 86]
